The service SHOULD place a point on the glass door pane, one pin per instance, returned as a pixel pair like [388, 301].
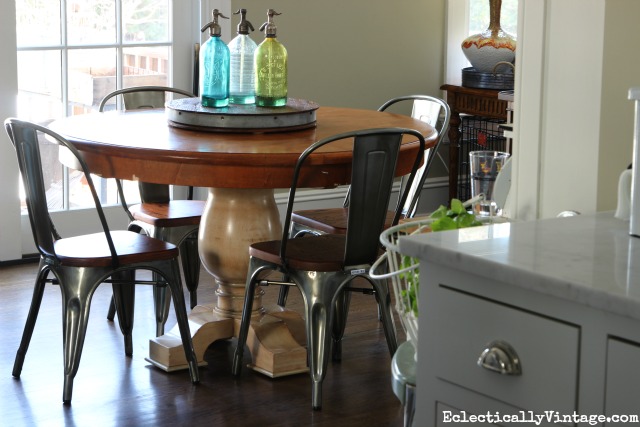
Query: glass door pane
[40, 84]
[145, 66]
[145, 21]
[91, 22]
[70, 57]
[92, 74]
[38, 22]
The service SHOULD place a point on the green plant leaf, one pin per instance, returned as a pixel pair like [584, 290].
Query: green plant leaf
[457, 207]
[440, 212]
[466, 220]
[444, 223]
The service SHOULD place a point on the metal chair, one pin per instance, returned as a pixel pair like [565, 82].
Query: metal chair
[323, 266]
[174, 221]
[334, 220]
[79, 264]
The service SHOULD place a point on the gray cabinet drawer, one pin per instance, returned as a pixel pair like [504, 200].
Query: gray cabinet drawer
[623, 378]
[548, 351]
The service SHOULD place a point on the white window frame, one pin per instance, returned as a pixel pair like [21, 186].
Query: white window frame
[15, 233]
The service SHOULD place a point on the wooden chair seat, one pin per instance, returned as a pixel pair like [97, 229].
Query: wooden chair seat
[176, 213]
[322, 253]
[329, 221]
[92, 250]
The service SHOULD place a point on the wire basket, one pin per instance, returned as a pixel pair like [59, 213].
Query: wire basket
[403, 269]
[404, 273]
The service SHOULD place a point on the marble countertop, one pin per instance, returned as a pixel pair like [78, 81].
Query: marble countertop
[589, 259]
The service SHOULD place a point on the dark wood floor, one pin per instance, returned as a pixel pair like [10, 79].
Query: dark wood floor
[113, 390]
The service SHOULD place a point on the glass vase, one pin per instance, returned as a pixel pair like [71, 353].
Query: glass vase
[486, 49]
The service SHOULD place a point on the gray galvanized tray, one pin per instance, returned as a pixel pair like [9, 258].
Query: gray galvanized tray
[188, 113]
[498, 81]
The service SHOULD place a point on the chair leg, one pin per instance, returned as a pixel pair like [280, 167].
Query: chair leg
[111, 313]
[282, 295]
[112, 310]
[30, 324]
[343, 300]
[77, 288]
[191, 267]
[161, 303]
[318, 343]
[245, 322]
[124, 301]
[172, 276]
[383, 298]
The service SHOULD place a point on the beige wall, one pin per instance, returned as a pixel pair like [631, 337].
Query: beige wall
[357, 54]
[621, 70]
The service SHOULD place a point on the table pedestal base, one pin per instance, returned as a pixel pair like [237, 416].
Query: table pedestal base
[232, 220]
[276, 341]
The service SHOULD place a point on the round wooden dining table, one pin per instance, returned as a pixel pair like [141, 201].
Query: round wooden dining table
[241, 171]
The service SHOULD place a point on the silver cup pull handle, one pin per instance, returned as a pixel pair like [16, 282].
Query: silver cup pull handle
[501, 358]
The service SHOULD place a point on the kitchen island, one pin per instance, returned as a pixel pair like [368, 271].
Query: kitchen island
[559, 297]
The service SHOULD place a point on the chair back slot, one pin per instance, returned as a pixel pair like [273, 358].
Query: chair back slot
[25, 139]
[373, 172]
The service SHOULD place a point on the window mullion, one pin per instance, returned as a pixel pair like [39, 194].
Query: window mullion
[64, 58]
[64, 61]
[119, 49]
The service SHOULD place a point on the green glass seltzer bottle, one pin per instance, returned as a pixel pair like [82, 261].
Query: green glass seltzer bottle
[270, 66]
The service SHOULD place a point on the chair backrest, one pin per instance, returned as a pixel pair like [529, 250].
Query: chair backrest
[437, 113]
[135, 98]
[375, 154]
[25, 140]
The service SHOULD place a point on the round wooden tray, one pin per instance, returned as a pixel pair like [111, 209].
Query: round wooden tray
[188, 113]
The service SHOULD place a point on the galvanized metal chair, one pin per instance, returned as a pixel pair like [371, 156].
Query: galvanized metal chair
[79, 264]
[429, 109]
[323, 266]
[157, 215]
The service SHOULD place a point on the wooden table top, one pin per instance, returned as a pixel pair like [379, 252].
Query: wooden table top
[141, 145]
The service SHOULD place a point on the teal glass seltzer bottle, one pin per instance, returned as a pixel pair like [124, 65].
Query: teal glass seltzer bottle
[214, 66]
[242, 48]
[270, 64]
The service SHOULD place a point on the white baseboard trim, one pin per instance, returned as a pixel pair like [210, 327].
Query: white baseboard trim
[434, 193]
[306, 195]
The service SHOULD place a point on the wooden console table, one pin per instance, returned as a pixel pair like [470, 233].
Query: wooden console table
[466, 100]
